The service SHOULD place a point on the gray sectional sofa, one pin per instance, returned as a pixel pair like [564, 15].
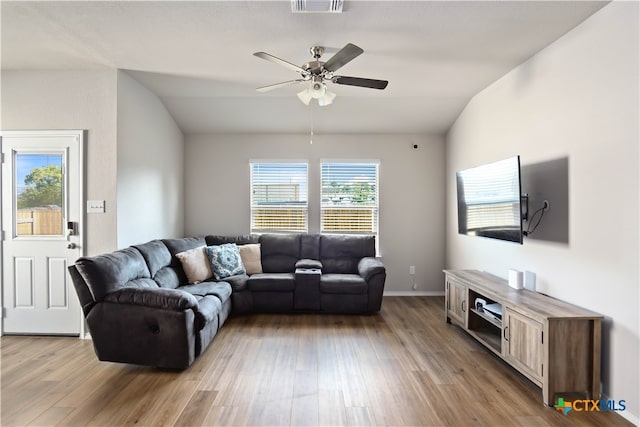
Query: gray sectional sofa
[140, 307]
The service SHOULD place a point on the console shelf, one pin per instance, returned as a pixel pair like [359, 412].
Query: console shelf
[483, 316]
[488, 338]
[543, 338]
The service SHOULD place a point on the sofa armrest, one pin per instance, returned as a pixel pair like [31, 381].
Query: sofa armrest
[167, 299]
[369, 267]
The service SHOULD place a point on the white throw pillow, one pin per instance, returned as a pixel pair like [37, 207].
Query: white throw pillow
[195, 264]
[250, 255]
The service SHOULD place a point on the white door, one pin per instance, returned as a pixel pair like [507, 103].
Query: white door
[41, 231]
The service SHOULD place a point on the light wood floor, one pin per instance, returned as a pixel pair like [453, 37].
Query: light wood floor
[403, 366]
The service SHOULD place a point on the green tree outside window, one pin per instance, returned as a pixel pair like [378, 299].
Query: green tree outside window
[43, 188]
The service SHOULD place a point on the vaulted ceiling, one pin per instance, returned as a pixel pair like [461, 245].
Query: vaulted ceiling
[197, 56]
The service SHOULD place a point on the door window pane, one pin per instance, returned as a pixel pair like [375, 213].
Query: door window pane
[39, 194]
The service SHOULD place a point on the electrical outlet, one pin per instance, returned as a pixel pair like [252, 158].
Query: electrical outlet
[412, 270]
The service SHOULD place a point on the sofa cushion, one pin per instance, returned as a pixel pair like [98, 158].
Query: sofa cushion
[159, 261]
[225, 260]
[170, 277]
[250, 255]
[221, 290]
[195, 264]
[156, 255]
[279, 252]
[104, 274]
[238, 283]
[310, 246]
[211, 297]
[342, 284]
[271, 282]
[180, 245]
[341, 254]
[208, 308]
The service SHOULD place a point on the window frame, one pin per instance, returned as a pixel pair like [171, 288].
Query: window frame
[253, 207]
[375, 209]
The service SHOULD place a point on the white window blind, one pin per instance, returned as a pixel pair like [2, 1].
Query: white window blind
[349, 198]
[279, 201]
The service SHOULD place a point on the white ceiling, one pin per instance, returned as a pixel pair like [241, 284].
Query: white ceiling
[197, 56]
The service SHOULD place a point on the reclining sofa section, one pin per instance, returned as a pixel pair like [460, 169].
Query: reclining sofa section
[140, 308]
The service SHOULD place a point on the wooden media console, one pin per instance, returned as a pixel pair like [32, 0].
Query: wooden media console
[555, 344]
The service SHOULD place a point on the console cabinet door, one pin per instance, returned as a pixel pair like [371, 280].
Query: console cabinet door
[522, 344]
[456, 302]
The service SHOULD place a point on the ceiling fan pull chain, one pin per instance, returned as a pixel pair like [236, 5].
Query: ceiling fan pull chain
[311, 120]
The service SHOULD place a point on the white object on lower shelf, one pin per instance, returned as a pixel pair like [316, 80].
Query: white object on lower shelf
[494, 310]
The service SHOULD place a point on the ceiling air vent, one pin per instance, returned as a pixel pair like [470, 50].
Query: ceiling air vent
[316, 6]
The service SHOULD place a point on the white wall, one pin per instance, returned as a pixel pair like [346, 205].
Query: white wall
[149, 167]
[411, 191]
[52, 99]
[578, 98]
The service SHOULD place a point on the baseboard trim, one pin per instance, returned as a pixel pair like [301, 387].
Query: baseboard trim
[632, 418]
[413, 293]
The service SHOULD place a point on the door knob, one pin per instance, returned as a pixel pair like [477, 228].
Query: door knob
[72, 246]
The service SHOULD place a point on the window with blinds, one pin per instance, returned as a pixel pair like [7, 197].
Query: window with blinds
[349, 198]
[279, 201]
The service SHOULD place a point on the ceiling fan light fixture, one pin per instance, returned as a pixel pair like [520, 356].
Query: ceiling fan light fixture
[326, 99]
[317, 89]
[305, 96]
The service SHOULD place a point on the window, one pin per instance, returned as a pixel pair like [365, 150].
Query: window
[40, 193]
[349, 198]
[278, 197]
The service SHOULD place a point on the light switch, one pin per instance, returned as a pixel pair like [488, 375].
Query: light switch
[95, 206]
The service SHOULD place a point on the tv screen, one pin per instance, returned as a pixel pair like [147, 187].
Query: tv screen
[489, 200]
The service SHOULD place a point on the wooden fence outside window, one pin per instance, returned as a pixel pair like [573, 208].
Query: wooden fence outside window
[39, 222]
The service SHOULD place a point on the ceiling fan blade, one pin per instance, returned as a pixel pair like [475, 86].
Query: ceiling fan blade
[344, 55]
[289, 65]
[278, 85]
[358, 81]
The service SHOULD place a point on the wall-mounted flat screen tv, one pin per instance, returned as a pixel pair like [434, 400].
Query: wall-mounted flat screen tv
[489, 199]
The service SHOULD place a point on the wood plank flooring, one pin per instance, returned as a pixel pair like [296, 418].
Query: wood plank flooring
[403, 367]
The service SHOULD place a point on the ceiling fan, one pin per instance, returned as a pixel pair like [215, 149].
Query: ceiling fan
[318, 72]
